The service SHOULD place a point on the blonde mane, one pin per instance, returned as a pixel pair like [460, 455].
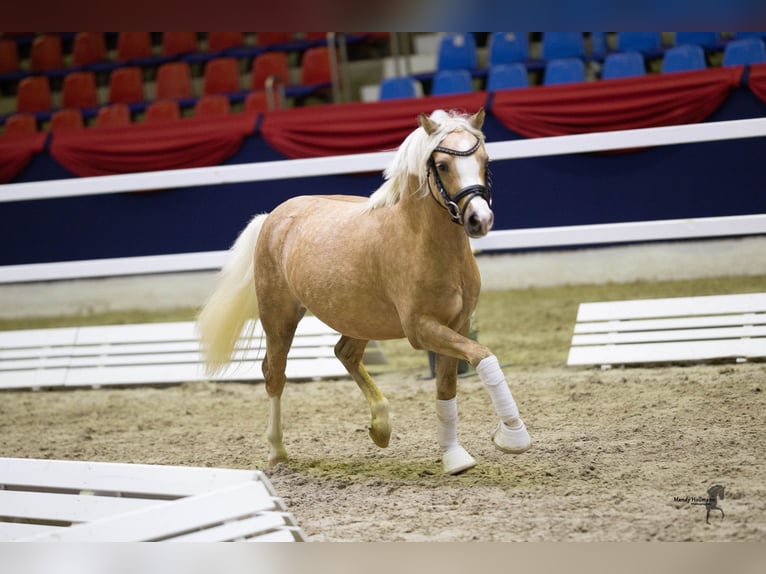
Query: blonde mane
[412, 156]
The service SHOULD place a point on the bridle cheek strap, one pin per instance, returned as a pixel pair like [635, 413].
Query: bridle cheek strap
[452, 204]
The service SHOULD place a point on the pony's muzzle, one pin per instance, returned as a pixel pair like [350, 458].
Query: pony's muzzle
[478, 217]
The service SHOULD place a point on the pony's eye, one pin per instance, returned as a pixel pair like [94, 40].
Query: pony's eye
[442, 167]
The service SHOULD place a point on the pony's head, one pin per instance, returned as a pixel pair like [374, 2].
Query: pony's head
[446, 155]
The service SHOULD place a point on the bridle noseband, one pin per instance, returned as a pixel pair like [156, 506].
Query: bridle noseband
[452, 204]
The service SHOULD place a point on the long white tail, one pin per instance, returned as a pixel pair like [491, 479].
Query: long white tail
[232, 303]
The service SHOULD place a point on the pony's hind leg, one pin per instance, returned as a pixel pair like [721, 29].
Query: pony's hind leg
[350, 352]
[279, 337]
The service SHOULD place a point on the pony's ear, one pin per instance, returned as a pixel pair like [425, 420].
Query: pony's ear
[477, 120]
[428, 124]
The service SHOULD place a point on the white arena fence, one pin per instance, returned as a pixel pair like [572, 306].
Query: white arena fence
[500, 240]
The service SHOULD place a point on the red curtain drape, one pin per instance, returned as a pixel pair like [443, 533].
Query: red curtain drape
[628, 103]
[354, 128]
[181, 144]
[16, 152]
[757, 80]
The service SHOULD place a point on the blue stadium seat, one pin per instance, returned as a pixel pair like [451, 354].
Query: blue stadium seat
[684, 58]
[699, 38]
[564, 71]
[623, 65]
[394, 88]
[457, 51]
[451, 82]
[740, 35]
[598, 43]
[639, 41]
[504, 76]
[558, 45]
[744, 51]
[508, 47]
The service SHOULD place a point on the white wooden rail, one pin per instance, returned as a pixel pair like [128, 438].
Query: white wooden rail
[499, 240]
[674, 329]
[154, 353]
[49, 500]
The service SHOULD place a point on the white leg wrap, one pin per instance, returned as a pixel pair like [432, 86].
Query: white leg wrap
[492, 376]
[454, 457]
[511, 434]
[446, 413]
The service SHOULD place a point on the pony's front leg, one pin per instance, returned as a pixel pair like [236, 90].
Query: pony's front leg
[350, 352]
[511, 434]
[455, 458]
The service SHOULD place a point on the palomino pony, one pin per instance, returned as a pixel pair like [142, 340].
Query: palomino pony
[397, 264]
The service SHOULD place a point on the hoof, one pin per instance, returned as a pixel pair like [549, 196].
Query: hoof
[514, 441]
[380, 426]
[380, 435]
[276, 457]
[457, 460]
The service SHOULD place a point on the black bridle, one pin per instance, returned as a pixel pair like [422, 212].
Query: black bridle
[452, 204]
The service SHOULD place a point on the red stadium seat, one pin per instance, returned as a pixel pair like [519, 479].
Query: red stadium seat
[258, 101]
[133, 45]
[9, 55]
[46, 53]
[174, 43]
[126, 85]
[269, 64]
[88, 47]
[212, 105]
[162, 111]
[217, 41]
[66, 120]
[79, 90]
[115, 115]
[314, 36]
[20, 125]
[221, 76]
[174, 81]
[315, 66]
[271, 38]
[33, 94]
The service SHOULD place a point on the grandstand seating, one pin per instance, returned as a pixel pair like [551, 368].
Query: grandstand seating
[20, 124]
[700, 38]
[9, 56]
[212, 105]
[33, 95]
[744, 51]
[456, 51]
[564, 71]
[645, 42]
[67, 119]
[315, 66]
[88, 48]
[174, 81]
[221, 76]
[46, 53]
[559, 45]
[220, 41]
[451, 82]
[399, 87]
[176, 43]
[507, 47]
[684, 58]
[47, 72]
[504, 76]
[79, 90]
[269, 64]
[162, 111]
[623, 65]
[126, 85]
[112, 116]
